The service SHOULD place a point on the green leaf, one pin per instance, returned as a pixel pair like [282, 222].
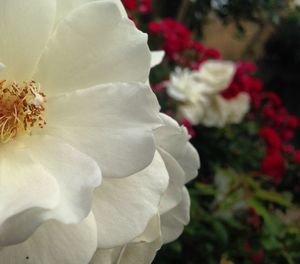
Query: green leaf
[206, 189]
[272, 197]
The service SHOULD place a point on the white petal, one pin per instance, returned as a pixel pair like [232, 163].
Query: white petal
[217, 112]
[140, 253]
[156, 57]
[173, 139]
[218, 74]
[193, 112]
[92, 45]
[44, 179]
[239, 107]
[76, 174]
[190, 162]
[107, 256]
[152, 231]
[176, 93]
[25, 27]
[64, 7]
[123, 207]
[55, 243]
[172, 222]
[173, 194]
[27, 191]
[110, 123]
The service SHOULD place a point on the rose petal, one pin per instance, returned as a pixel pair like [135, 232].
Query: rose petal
[156, 57]
[173, 194]
[123, 207]
[93, 45]
[111, 123]
[141, 251]
[172, 222]
[55, 243]
[64, 7]
[25, 27]
[41, 179]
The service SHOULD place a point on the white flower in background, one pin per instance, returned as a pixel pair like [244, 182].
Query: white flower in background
[217, 74]
[198, 94]
[222, 111]
[76, 131]
[239, 107]
[182, 163]
[184, 86]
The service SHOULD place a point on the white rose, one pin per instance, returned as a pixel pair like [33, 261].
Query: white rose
[194, 89]
[221, 111]
[240, 106]
[80, 66]
[185, 87]
[216, 114]
[217, 74]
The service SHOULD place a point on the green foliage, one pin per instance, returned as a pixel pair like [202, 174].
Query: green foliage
[235, 216]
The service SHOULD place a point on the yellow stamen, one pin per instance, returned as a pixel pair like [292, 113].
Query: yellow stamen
[21, 108]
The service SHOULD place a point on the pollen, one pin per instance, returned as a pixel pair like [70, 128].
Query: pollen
[21, 108]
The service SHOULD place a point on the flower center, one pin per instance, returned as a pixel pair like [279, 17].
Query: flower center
[21, 108]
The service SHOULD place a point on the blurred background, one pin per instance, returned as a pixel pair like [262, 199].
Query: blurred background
[245, 201]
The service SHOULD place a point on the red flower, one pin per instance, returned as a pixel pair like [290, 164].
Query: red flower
[269, 113]
[130, 5]
[256, 85]
[293, 122]
[145, 6]
[273, 98]
[197, 46]
[270, 136]
[244, 82]
[287, 148]
[287, 134]
[256, 100]
[212, 53]
[273, 165]
[232, 91]
[248, 67]
[154, 27]
[176, 36]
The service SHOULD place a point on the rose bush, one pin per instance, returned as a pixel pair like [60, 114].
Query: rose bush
[245, 202]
